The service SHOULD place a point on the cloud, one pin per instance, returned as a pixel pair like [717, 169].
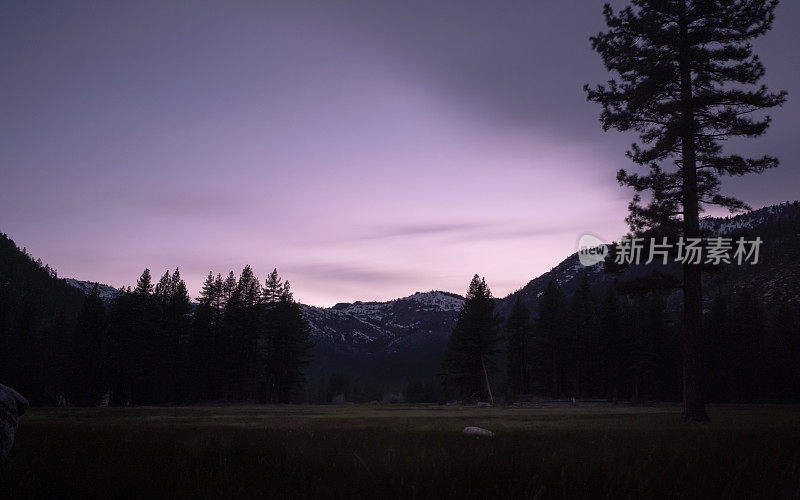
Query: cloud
[465, 232]
[412, 230]
[347, 273]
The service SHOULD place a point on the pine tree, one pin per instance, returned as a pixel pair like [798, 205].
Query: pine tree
[473, 343]
[685, 69]
[87, 360]
[666, 348]
[582, 324]
[717, 352]
[162, 344]
[746, 340]
[173, 329]
[641, 329]
[205, 370]
[273, 288]
[779, 359]
[518, 332]
[286, 342]
[144, 285]
[242, 325]
[145, 344]
[550, 340]
[612, 347]
[132, 337]
[122, 330]
[163, 289]
[209, 293]
[226, 287]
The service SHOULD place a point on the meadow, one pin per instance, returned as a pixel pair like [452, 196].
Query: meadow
[404, 451]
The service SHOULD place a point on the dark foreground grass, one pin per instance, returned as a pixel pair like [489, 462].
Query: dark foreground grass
[404, 452]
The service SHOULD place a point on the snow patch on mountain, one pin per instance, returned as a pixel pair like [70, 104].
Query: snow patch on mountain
[442, 301]
[107, 292]
[416, 318]
[727, 225]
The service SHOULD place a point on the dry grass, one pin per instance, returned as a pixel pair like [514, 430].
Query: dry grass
[377, 451]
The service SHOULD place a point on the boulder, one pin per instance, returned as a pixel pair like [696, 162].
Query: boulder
[477, 431]
[483, 404]
[12, 405]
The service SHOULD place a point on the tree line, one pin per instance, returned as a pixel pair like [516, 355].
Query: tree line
[37, 318]
[243, 341]
[621, 347]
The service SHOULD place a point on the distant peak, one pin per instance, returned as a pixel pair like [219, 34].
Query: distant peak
[107, 292]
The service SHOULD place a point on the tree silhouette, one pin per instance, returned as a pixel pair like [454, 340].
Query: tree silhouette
[86, 352]
[285, 344]
[473, 342]
[518, 333]
[550, 340]
[686, 70]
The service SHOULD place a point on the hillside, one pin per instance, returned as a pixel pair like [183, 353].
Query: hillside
[393, 324]
[37, 316]
[774, 278]
[381, 346]
[106, 292]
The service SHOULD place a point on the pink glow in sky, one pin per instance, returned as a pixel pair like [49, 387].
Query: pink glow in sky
[366, 151]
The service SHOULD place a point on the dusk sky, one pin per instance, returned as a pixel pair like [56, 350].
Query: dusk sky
[367, 149]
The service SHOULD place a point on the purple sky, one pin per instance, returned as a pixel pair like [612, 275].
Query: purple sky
[366, 149]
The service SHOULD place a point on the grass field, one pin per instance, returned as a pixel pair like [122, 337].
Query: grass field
[391, 451]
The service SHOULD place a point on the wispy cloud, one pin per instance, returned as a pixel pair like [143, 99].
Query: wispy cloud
[413, 230]
[347, 273]
[464, 232]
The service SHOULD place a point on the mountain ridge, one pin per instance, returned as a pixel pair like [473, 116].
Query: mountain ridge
[431, 313]
[392, 342]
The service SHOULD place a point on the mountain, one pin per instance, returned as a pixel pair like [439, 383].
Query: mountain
[774, 278]
[107, 292]
[392, 325]
[749, 220]
[37, 315]
[381, 346]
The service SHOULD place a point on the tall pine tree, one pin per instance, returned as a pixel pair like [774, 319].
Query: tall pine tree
[243, 319]
[172, 302]
[518, 333]
[205, 345]
[286, 342]
[550, 341]
[87, 352]
[473, 342]
[581, 323]
[686, 71]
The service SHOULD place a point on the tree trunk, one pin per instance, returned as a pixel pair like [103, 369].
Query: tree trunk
[577, 352]
[694, 406]
[486, 382]
[524, 365]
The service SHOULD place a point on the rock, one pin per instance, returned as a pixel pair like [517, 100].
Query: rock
[12, 405]
[393, 398]
[483, 404]
[477, 431]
